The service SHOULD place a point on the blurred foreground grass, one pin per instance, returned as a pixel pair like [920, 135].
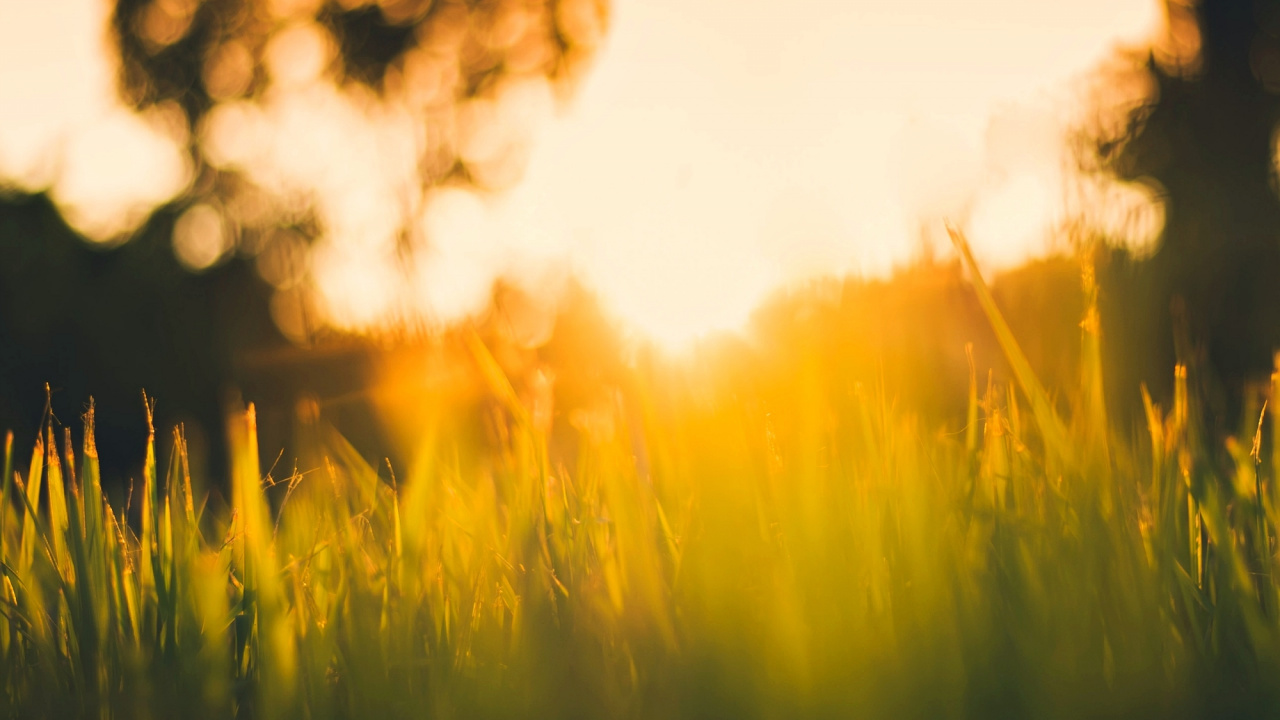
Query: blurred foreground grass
[708, 555]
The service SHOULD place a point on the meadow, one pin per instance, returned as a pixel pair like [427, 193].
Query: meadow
[715, 545]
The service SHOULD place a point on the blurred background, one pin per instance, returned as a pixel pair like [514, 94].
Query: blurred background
[308, 203]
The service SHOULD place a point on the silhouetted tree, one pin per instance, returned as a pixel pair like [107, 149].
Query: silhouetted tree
[109, 322]
[170, 50]
[1206, 139]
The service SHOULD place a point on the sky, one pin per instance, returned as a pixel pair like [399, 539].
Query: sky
[722, 148]
[718, 150]
[63, 129]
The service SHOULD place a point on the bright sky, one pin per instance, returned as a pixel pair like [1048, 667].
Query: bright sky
[718, 150]
[62, 127]
[721, 148]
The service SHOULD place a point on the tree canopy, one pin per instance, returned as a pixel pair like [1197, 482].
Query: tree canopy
[1205, 138]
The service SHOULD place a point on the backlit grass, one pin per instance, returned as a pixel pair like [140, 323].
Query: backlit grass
[708, 554]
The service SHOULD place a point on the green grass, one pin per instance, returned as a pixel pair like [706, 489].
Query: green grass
[716, 549]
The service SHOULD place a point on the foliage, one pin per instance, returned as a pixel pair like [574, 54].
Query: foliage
[1204, 141]
[710, 554]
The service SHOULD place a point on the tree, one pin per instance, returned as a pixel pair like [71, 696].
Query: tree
[1206, 139]
[91, 321]
[199, 53]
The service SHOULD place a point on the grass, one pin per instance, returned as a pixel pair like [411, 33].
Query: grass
[716, 549]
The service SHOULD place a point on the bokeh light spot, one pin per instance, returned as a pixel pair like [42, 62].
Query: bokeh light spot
[200, 238]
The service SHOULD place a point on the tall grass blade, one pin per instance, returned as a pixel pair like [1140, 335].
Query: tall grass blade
[1051, 426]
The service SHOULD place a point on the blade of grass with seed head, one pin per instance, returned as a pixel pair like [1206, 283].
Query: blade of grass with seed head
[1051, 426]
[272, 644]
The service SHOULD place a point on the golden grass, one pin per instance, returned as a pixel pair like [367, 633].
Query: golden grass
[710, 553]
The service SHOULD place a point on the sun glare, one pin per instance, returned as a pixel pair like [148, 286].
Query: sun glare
[718, 152]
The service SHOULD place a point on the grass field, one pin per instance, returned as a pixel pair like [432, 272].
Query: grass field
[708, 554]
